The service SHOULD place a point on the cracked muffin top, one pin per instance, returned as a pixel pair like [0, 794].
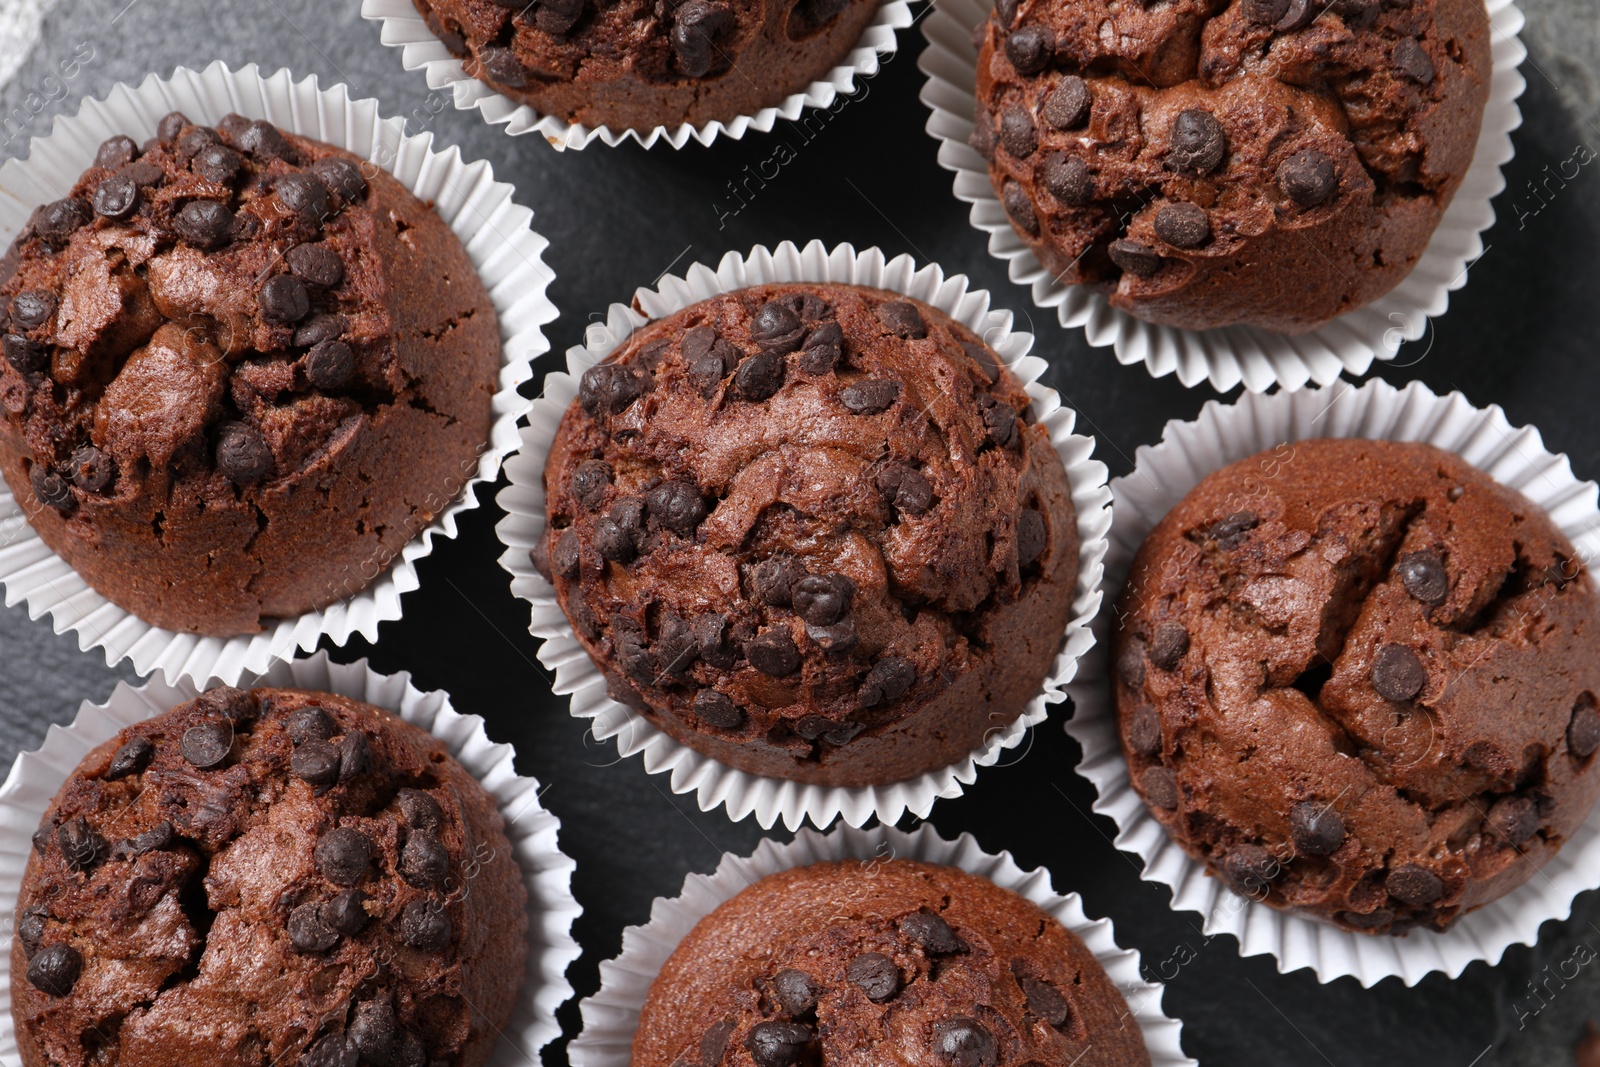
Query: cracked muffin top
[222, 401]
[1206, 163]
[883, 961]
[639, 64]
[1358, 680]
[268, 876]
[812, 531]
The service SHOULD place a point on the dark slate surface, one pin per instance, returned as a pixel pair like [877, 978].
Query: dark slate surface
[1519, 335]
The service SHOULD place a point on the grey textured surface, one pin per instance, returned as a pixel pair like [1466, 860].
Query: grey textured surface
[1520, 334]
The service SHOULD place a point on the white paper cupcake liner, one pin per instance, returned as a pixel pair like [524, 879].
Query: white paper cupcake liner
[481, 211]
[611, 1015]
[546, 872]
[404, 28]
[770, 799]
[1162, 475]
[1227, 357]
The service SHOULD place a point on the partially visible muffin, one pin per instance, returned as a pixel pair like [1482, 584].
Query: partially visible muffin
[1357, 679]
[883, 961]
[812, 531]
[242, 370]
[268, 876]
[639, 64]
[1206, 163]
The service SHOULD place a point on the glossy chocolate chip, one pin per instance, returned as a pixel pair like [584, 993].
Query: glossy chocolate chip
[875, 975]
[1308, 177]
[1424, 577]
[206, 744]
[1397, 673]
[870, 396]
[81, 847]
[343, 855]
[1139, 260]
[608, 389]
[52, 490]
[316, 762]
[331, 1050]
[1412, 60]
[1018, 134]
[1316, 828]
[1514, 819]
[1045, 1002]
[131, 758]
[711, 634]
[1144, 730]
[961, 1041]
[372, 1030]
[773, 579]
[1414, 885]
[903, 319]
[773, 653]
[217, 163]
[263, 140]
[309, 724]
[171, 124]
[1249, 868]
[355, 755]
[677, 505]
[1583, 730]
[316, 265]
[905, 488]
[1183, 225]
[309, 929]
[205, 224]
[888, 680]
[633, 653]
[284, 300]
[717, 710]
[778, 1044]
[776, 327]
[999, 420]
[341, 177]
[330, 365]
[840, 636]
[420, 810]
[1019, 207]
[228, 702]
[32, 925]
[144, 175]
[156, 839]
[614, 541]
[303, 195]
[116, 198]
[796, 991]
[698, 31]
[1068, 107]
[424, 862]
[676, 648]
[25, 354]
[1031, 537]
[243, 455]
[58, 220]
[1169, 642]
[346, 912]
[589, 483]
[1160, 787]
[1031, 49]
[1067, 178]
[320, 328]
[932, 933]
[502, 66]
[425, 925]
[566, 558]
[759, 377]
[823, 348]
[1196, 142]
[193, 140]
[822, 599]
[92, 469]
[32, 308]
[116, 152]
[714, 1043]
[55, 970]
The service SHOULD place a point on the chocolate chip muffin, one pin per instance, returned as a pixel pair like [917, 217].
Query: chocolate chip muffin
[242, 370]
[1357, 679]
[639, 64]
[1206, 163]
[871, 962]
[268, 876]
[812, 532]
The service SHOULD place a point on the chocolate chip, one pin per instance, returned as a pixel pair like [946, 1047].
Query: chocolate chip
[677, 505]
[566, 559]
[1031, 49]
[823, 348]
[1137, 259]
[1045, 1002]
[116, 198]
[903, 319]
[1067, 178]
[773, 653]
[81, 847]
[870, 396]
[1183, 225]
[419, 809]
[355, 755]
[205, 224]
[1067, 108]
[32, 308]
[131, 758]
[316, 762]
[1397, 673]
[144, 175]
[372, 1031]
[408, 1051]
[243, 455]
[888, 680]
[309, 929]
[979, 353]
[1169, 642]
[27, 355]
[330, 364]
[1370, 920]
[589, 483]
[1424, 577]
[778, 1044]
[773, 578]
[633, 653]
[206, 744]
[1031, 537]
[309, 724]
[156, 839]
[1019, 206]
[52, 490]
[92, 469]
[1144, 730]
[714, 1043]
[193, 140]
[316, 265]
[263, 140]
[982, 138]
[614, 541]
[116, 152]
[1017, 132]
[343, 855]
[171, 124]
[760, 376]
[1265, 12]
[1414, 885]
[711, 634]
[1357, 13]
[1308, 177]
[964, 1042]
[320, 328]
[1316, 828]
[1160, 787]
[1583, 731]
[698, 27]
[904, 488]
[341, 177]
[875, 974]
[822, 599]
[796, 992]
[776, 327]
[999, 420]
[834, 637]
[1514, 819]
[675, 647]
[304, 195]
[229, 702]
[932, 933]
[1411, 59]
[58, 220]
[1196, 142]
[217, 163]
[55, 970]
[425, 925]
[1250, 868]
[346, 913]
[284, 300]
[607, 389]
[1230, 532]
[424, 862]
[31, 928]
[332, 1050]
[556, 17]
[717, 710]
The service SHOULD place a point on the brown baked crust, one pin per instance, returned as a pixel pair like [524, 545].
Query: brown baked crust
[157, 349]
[1266, 617]
[818, 919]
[1390, 96]
[185, 953]
[935, 589]
[617, 64]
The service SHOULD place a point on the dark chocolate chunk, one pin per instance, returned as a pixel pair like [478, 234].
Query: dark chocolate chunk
[590, 481]
[717, 710]
[903, 319]
[81, 847]
[303, 195]
[1424, 577]
[1183, 225]
[870, 396]
[932, 933]
[372, 1030]
[205, 224]
[346, 913]
[52, 490]
[92, 469]
[556, 17]
[711, 634]
[355, 755]
[131, 758]
[424, 862]
[840, 636]
[677, 505]
[714, 1043]
[1583, 730]
[316, 762]
[320, 328]
[330, 364]
[1412, 60]
[32, 308]
[823, 348]
[1019, 206]
[1018, 134]
[1265, 12]
[55, 970]
[875, 975]
[243, 456]
[1230, 532]
[171, 124]
[566, 559]
[822, 599]
[309, 930]
[217, 163]
[1045, 1001]
[699, 30]
[263, 140]
[776, 327]
[1137, 259]
[1414, 885]
[607, 389]
[773, 579]
[425, 925]
[1250, 868]
[117, 197]
[1196, 143]
[284, 300]
[341, 177]
[116, 152]
[905, 488]
[58, 220]
[31, 928]
[1067, 108]
[760, 376]
[331, 1050]
[156, 839]
[999, 420]
[1514, 819]
[309, 724]
[961, 1041]
[316, 264]
[1031, 537]
[1397, 673]
[1308, 177]
[1160, 787]
[1317, 829]
[1031, 49]
[1067, 178]
[206, 744]
[1169, 642]
[773, 653]
[888, 680]
[778, 1044]
[796, 991]
[419, 809]
[25, 354]
[1144, 730]
[675, 647]
[343, 855]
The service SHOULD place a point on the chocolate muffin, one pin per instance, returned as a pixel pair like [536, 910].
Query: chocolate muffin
[1206, 163]
[242, 370]
[639, 64]
[883, 962]
[268, 876]
[812, 532]
[1357, 679]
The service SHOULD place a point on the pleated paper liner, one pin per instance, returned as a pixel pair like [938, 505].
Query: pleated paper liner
[713, 783]
[481, 211]
[611, 1015]
[404, 28]
[546, 873]
[1227, 357]
[1162, 475]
